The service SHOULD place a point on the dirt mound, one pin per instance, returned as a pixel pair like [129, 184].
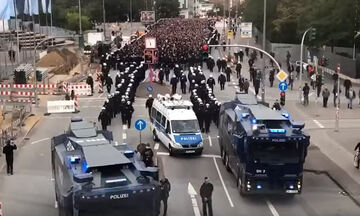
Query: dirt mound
[157, 89]
[52, 59]
[62, 60]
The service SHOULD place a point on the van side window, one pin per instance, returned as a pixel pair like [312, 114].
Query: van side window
[168, 127]
[153, 113]
[163, 121]
[158, 117]
[229, 124]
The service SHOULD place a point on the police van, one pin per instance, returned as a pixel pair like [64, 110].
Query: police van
[174, 123]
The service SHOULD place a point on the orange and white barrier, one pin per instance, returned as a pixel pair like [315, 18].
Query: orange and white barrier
[78, 89]
[76, 104]
[28, 86]
[17, 100]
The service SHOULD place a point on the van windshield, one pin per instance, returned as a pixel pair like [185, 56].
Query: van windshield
[185, 126]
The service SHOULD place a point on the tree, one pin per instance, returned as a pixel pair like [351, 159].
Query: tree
[167, 8]
[72, 21]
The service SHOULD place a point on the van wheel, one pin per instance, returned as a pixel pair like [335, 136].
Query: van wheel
[155, 137]
[227, 162]
[240, 186]
[171, 153]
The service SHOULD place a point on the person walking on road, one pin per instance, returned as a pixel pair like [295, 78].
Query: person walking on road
[148, 104]
[165, 188]
[8, 150]
[306, 91]
[357, 156]
[108, 83]
[104, 119]
[336, 96]
[222, 81]
[228, 73]
[351, 96]
[90, 82]
[238, 69]
[272, 77]
[325, 94]
[211, 82]
[173, 83]
[206, 190]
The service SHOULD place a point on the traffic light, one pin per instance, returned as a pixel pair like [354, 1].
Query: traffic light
[205, 52]
[282, 98]
[312, 36]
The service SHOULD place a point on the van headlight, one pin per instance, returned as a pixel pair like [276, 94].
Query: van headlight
[178, 145]
[201, 144]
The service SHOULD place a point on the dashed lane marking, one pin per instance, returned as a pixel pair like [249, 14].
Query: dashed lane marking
[272, 208]
[210, 142]
[156, 147]
[124, 127]
[124, 136]
[38, 141]
[223, 183]
[318, 123]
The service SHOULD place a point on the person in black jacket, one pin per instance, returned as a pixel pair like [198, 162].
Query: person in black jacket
[104, 118]
[8, 150]
[165, 188]
[211, 82]
[129, 109]
[206, 190]
[109, 83]
[148, 104]
[222, 81]
[173, 83]
[183, 81]
[161, 76]
[228, 73]
[90, 82]
[238, 69]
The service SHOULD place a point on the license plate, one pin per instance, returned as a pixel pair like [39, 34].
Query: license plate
[292, 191]
[190, 151]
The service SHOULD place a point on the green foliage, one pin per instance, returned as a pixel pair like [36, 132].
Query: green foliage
[288, 19]
[72, 21]
[167, 8]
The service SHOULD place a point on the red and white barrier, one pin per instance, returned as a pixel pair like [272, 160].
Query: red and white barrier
[28, 86]
[76, 103]
[1, 214]
[63, 106]
[78, 89]
[16, 100]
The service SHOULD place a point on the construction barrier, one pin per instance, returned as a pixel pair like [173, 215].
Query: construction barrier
[1, 214]
[78, 89]
[63, 106]
[28, 86]
[76, 103]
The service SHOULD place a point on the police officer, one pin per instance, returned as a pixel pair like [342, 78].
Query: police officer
[207, 118]
[167, 73]
[173, 83]
[148, 104]
[246, 86]
[161, 76]
[272, 77]
[165, 188]
[117, 79]
[8, 150]
[148, 155]
[90, 82]
[238, 69]
[219, 65]
[228, 73]
[210, 63]
[104, 118]
[276, 105]
[183, 81]
[108, 83]
[211, 82]
[241, 55]
[192, 85]
[206, 190]
[200, 115]
[222, 81]
[129, 109]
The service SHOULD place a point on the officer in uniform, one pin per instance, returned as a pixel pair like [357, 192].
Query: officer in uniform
[228, 73]
[161, 76]
[238, 69]
[104, 118]
[207, 114]
[90, 82]
[129, 109]
[211, 82]
[148, 104]
[222, 81]
[183, 81]
[109, 83]
[173, 83]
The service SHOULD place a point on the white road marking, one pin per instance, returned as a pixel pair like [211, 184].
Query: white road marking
[192, 193]
[156, 147]
[210, 142]
[272, 208]
[223, 183]
[203, 155]
[91, 98]
[124, 127]
[124, 136]
[318, 123]
[38, 141]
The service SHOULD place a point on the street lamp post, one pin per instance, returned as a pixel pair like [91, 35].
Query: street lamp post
[130, 18]
[302, 53]
[263, 62]
[80, 24]
[104, 19]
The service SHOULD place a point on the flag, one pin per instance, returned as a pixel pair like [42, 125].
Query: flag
[12, 8]
[35, 6]
[20, 5]
[43, 6]
[49, 6]
[27, 7]
[4, 9]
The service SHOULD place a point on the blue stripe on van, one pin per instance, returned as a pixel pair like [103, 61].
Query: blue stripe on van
[188, 139]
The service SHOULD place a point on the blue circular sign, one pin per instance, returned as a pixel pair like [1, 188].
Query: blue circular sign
[140, 124]
[149, 88]
[283, 86]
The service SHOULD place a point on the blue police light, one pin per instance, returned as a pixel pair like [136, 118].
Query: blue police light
[253, 121]
[286, 115]
[258, 186]
[277, 131]
[291, 187]
[84, 166]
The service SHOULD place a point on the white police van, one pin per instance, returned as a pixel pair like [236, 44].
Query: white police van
[174, 123]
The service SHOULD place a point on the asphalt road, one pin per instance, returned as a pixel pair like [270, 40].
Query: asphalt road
[30, 190]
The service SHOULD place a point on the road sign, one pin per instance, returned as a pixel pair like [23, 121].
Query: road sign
[282, 76]
[283, 86]
[140, 124]
[150, 43]
[246, 30]
[149, 88]
[230, 34]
